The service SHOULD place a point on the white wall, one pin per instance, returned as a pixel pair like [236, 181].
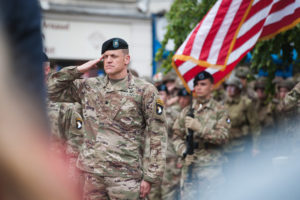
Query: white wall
[80, 38]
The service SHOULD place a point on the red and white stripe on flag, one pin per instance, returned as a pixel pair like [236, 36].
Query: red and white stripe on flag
[228, 32]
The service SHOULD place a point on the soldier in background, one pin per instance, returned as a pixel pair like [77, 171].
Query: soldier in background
[170, 81]
[245, 127]
[242, 72]
[120, 111]
[219, 93]
[170, 189]
[286, 120]
[157, 79]
[265, 112]
[202, 171]
[291, 100]
[184, 98]
[291, 104]
[67, 130]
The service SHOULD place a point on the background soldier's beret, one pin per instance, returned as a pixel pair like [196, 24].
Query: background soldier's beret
[183, 93]
[202, 76]
[162, 87]
[114, 44]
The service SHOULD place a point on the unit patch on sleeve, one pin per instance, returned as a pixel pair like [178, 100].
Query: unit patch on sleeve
[159, 106]
[78, 123]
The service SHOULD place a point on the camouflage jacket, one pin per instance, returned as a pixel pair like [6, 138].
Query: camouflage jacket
[67, 126]
[214, 132]
[118, 117]
[291, 100]
[244, 121]
[265, 113]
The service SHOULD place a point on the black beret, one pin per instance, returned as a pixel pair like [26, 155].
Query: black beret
[183, 93]
[202, 76]
[162, 87]
[114, 44]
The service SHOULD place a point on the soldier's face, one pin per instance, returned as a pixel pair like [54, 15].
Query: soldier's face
[282, 92]
[203, 88]
[184, 101]
[232, 90]
[115, 62]
[163, 95]
[261, 93]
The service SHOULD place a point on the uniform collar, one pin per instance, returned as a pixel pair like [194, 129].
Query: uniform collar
[233, 100]
[198, 105]
[119, 86]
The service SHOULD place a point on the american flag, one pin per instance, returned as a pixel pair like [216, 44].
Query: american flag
[228, 32]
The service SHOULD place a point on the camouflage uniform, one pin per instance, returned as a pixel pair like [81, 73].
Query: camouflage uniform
[242, 72]
[68, 131]
[287, 119]
[243, 136]
[265, 112]
[244, 123]
[202, 171]
[266, 115]
[292, 98]
[171, 179]
[118, 117]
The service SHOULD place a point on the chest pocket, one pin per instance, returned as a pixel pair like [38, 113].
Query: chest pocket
[207, 119]
[130, 114]
[237, 115]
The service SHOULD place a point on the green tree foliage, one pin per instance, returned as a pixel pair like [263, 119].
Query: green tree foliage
[184, 16]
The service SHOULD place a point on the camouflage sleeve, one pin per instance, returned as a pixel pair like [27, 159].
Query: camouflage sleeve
[65, 114]
[179, 133]
[291, 99]
[254, 124]
[219, 134]
[154, 115]
[63, 86]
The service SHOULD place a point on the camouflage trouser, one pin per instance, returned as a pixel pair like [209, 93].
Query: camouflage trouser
[201, 182]
[170, 189]
[171, 193]
[155, 192]
[102, 188]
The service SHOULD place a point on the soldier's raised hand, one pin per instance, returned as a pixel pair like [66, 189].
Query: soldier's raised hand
[89, 65]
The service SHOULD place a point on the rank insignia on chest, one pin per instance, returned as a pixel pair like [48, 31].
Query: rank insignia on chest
[159, 106]
[78, 123]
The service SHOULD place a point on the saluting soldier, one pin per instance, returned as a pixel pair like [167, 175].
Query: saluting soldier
[119, 110]
[202, 171]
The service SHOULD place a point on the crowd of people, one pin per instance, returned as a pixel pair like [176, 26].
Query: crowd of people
[124, 137]
[127, 138]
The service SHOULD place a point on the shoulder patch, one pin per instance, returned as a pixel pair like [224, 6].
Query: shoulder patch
[78, 123]
[159, 106]
[228, 120]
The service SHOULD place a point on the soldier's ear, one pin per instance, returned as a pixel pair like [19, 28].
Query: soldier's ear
[127, 59]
